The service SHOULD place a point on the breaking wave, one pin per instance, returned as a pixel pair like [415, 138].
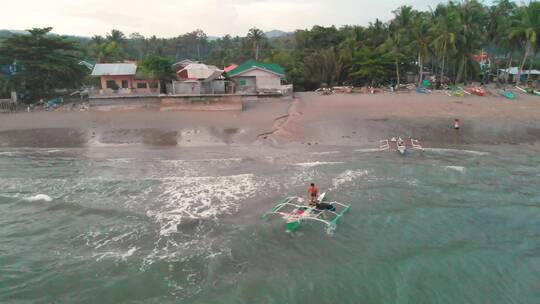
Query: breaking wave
[456, 168]
[347, 177]
[38, 197]
[317, 163]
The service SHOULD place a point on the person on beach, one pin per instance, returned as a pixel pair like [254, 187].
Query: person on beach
[456, 124]
[313, 193]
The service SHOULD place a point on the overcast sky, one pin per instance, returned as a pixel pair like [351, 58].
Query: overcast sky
[168, 18]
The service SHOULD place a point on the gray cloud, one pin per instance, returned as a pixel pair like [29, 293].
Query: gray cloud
[167, 18]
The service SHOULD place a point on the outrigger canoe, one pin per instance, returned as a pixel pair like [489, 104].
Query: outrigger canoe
[476, 91]
[400, 145]
[529, 91]
[294, 211]
[507, 94]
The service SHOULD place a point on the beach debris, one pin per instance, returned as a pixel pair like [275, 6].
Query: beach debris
[342, 89]
[324, 91]
[422, 90]
[54, 103]
[334, 90]
[456, 91]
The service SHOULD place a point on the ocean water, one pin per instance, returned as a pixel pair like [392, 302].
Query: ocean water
[144, 225]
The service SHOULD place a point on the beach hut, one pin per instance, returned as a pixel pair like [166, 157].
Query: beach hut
[257, 77]
[123, 78]
[514, 71]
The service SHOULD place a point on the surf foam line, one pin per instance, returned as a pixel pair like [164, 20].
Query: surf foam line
[455, 168]
[38, 197]
[348, 177]
[317, 163]
[210, 160]
[325, 153]
[200, 198]
[368, 150]
[456, 151]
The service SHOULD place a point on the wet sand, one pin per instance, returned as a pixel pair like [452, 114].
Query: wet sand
[307, 120]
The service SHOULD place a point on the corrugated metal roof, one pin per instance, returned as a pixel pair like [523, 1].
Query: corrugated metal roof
[112, 69]
[199, 71]
[253, 64]
[514, 71]
[184, 63]
[230, 68]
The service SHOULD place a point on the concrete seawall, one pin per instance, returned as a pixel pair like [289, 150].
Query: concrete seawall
[168, 103]
[201, 103]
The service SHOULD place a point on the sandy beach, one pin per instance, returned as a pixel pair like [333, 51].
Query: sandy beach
[308, 119]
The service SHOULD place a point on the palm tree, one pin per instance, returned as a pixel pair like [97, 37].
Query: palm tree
[256, 36]
[470, 17]
[116, 36]
[398, 37]
[526, 27]
[376, 33]
[444, 38]
[420, 41]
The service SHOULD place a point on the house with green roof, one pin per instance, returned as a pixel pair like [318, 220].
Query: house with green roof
[254, 77]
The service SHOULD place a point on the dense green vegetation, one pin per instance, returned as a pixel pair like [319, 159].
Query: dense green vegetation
[441, 42]
[38, 63]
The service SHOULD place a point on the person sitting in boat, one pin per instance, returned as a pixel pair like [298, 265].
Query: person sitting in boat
[400, 142]
[313, 194]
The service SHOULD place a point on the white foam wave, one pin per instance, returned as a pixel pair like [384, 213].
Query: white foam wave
[117, 255]
[456, 168]
[200, 198]
[441, 150]
[9, 153]
[347, 177]
[209, 160]
[38, 197]
[368, 150]
[317, 163]
[325, 153]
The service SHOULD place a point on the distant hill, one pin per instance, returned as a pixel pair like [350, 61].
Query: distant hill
[6, 33]
[275, 34]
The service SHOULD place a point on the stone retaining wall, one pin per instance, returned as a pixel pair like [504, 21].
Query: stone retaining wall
[168, 103]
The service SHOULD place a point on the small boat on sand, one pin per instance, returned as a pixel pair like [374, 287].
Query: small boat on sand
[507, 94]
[477, 91]
[422, 90]
[529, 91]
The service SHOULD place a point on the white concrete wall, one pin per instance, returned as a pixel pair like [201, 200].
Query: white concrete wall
[265, 80]
[186, 88]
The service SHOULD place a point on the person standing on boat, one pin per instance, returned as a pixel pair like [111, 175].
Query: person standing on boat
[313, 194]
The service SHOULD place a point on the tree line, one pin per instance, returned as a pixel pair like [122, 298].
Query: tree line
[443, 42]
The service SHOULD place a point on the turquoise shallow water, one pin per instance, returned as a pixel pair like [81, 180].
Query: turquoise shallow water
[141, 225]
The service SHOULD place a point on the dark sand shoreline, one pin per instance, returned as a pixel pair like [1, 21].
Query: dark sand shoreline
[341, 120]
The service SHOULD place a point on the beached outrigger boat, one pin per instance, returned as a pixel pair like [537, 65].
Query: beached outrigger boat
[399, 145]
[476, 91]
[528, 91]
[294, 211]
[507, 94]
